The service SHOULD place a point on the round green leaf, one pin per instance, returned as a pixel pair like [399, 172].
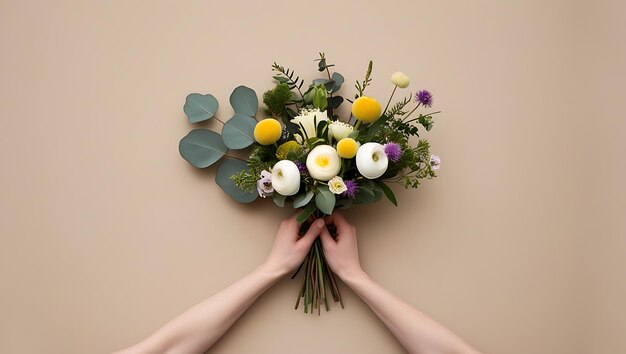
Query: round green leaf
[278, 199]
[202, 147]
[338, 79]
[200, 107]
[238, 132]
[244, 101]
[223, 179]
[302, 199]
[325, 200]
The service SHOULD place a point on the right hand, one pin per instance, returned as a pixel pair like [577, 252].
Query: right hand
[341, 253]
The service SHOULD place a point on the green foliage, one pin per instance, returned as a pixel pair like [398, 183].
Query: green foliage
[261, 158]
[285, 76]
[361, 86]
[277, 100]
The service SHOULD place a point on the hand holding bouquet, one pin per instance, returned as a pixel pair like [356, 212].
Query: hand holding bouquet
[306, 154]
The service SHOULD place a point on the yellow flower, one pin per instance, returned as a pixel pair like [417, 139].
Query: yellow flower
[285, 149]
[267, 131]
[366, 109]
[347, 148]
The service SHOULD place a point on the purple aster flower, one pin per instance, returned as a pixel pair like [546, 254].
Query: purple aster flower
[301, 167]
[351, 188]
[393, 151]
[424, 97]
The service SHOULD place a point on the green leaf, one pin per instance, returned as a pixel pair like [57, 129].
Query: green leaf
[325, 200]
[279, 199]
[339, 80]
[335, 101]
[389, 193]
[354, 134]
[365, 195]
[226, 170]
[200, 107]
[238, 132]
[343, 204]
[244, 101]
[202, 147]
[304, 215]
[303, 199]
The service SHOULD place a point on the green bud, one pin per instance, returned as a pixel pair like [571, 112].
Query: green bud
[319, 100]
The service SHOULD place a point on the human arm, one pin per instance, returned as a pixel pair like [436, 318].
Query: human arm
[197, 329]
[417, 332]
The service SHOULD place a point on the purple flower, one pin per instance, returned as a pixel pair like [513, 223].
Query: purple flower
[264, 184]
[424, 97]
[393, 151]
[435, 161]
[301, 167]
[351, 188]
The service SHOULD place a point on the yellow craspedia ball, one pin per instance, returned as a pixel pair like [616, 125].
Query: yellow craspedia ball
[347, 148]
[285, 149]
[267, 131]
[366, 109]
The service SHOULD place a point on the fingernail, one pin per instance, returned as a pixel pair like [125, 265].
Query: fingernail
[319, 223]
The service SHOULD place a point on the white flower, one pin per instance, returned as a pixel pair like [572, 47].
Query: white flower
[286, 178]
[309, 119]
[336, 185]
[399, 79]
[323, 163]
[435, 161]
[371, 160]
[264, 184]
[339, 130]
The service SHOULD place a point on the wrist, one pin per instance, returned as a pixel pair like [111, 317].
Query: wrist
[352, 276]
[271, 272]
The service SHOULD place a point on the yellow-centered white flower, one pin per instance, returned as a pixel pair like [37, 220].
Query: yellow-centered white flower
[323, 163]
[371, 160]
[336, 185]
[308, 119]
[286, 178]
[399, 79]
[339, 130]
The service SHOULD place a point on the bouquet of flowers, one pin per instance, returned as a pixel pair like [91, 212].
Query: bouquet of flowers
[308, 154]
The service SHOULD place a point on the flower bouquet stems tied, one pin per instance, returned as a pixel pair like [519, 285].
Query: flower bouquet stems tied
[307, 151]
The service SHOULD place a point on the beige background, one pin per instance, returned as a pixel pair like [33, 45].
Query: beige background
[107, 233]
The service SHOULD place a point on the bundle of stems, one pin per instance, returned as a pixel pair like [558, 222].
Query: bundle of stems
[317, 279]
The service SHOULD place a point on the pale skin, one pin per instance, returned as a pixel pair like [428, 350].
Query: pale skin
[197, 329]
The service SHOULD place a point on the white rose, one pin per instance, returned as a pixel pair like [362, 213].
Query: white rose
[336, 185]
[286, 178]
[323, 163]
[309, 119]
[371, 160]
[339, 130]
[399, 79]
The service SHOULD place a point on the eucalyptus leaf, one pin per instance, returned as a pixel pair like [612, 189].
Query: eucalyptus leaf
[200, 107]
[279, 199]
[202, 147]
[325, 200]
[303, 199]
[335, 101]
[244, 101]
[338, 81]
[308, 211]
[238, 132]
[223, 179]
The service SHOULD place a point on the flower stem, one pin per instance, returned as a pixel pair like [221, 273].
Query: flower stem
[390, 97]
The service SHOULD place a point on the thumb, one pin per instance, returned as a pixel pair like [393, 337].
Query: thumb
[312, 232]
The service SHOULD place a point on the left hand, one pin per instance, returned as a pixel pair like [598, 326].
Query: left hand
[289, 248]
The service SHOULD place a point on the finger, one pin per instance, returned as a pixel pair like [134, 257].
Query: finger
[340, 222]
[327, 239]
[312, 233]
